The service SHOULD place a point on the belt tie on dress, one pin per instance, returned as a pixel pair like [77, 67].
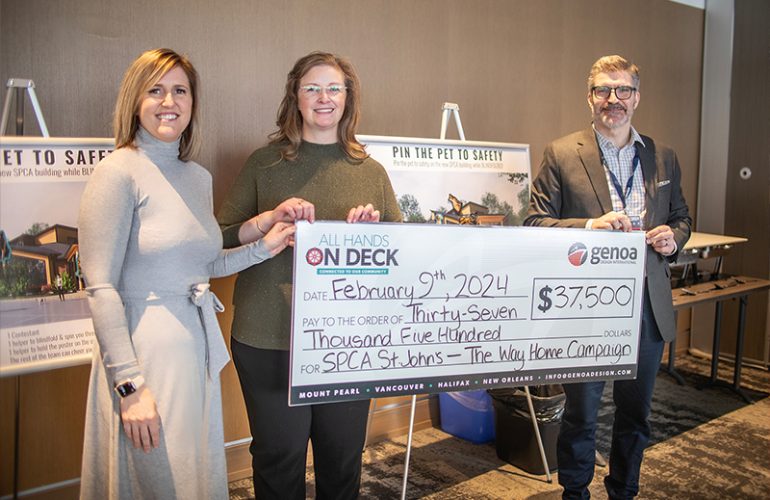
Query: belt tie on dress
[208, 305]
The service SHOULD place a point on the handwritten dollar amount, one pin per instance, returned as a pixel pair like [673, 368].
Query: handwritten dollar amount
[583, 298]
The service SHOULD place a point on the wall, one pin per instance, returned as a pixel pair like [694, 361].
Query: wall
[735, 136]
[517, 69]
[748, 200]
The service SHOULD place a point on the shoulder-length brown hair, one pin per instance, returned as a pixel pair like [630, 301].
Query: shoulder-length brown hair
[289, 133]
[143, 73]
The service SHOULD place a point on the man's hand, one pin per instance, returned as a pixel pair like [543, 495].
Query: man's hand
[613, 221]
[662, 240]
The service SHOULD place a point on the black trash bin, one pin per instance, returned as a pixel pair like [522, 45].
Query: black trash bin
[515, 439]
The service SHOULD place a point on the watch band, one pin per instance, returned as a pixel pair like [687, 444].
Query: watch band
[129, 386]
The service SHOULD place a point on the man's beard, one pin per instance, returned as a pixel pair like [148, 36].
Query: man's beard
[610, 119]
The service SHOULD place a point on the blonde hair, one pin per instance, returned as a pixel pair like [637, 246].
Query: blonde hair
[289, 121]
[143, 73]
[613, 64]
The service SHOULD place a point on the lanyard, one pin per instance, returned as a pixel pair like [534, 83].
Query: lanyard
[623, 195]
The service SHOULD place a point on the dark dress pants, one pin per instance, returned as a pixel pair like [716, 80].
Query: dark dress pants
[576, 447]
[280, 433]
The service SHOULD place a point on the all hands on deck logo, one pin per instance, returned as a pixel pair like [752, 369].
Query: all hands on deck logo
[352, 254]
[314, 256]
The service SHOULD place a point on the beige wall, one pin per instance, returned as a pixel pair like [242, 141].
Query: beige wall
[517, 68]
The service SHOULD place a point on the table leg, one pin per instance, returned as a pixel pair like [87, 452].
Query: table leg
[713, 381]
[739, 349]
[717, 269]
[715, 346]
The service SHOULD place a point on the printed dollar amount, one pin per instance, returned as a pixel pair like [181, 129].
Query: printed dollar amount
[576, 298]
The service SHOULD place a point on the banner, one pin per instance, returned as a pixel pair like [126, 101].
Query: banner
[45, 322]
[392, 309]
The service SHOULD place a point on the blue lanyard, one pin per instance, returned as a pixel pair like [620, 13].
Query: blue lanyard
[616, 184]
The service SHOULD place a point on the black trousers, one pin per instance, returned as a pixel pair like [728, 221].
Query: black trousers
[280, 433]
[630, 430]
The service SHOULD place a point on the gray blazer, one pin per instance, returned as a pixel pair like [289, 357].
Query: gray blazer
[571, 188]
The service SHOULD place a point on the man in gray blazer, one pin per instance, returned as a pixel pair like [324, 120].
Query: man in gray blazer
[610, 177]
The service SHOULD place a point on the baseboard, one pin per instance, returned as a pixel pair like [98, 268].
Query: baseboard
[394, 421]
[238, 461]
[63, 490]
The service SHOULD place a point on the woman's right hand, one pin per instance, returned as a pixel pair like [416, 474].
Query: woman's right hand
[279, 237]
[292, 210]
[140, 418]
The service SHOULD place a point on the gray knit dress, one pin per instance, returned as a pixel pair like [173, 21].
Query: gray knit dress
[148, 246]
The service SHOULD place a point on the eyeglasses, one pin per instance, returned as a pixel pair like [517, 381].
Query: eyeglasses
[315, 90]
[622, 93]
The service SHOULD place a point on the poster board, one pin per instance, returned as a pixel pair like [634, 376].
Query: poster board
[41, 181]
[447, 181]
[385, 310]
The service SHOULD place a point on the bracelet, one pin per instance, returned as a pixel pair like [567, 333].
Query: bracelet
[256, 223]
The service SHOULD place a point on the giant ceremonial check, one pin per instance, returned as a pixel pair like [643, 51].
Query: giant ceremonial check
[393, 309]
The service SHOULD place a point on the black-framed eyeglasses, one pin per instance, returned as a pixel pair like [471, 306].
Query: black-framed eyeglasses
[622, 92]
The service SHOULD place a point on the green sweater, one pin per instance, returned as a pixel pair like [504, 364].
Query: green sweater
[321, 174]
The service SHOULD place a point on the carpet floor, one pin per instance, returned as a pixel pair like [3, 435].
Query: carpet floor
[706, 444]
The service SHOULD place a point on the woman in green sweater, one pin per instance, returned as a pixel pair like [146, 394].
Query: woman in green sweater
[312, 168]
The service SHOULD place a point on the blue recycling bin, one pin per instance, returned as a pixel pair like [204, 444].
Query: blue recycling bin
[469, 415]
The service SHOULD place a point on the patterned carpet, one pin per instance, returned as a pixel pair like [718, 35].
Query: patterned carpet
[706, 444]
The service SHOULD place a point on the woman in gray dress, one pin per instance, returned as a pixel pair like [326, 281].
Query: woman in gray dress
[149, 244]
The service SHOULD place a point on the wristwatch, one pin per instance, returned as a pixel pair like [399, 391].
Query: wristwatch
[129, 386]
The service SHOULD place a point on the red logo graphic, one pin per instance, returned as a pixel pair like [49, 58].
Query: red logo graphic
[314, 256]
[577, 254]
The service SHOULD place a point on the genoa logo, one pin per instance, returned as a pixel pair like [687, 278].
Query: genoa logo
[577, 254]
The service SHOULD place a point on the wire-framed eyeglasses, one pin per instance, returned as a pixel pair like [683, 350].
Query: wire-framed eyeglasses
[316, 90]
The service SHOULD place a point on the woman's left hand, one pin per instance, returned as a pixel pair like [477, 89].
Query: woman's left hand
[363, 214]
[140, 418]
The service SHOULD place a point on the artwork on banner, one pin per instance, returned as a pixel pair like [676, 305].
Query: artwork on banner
[455, 182]
[392, 309]
[45, 322]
